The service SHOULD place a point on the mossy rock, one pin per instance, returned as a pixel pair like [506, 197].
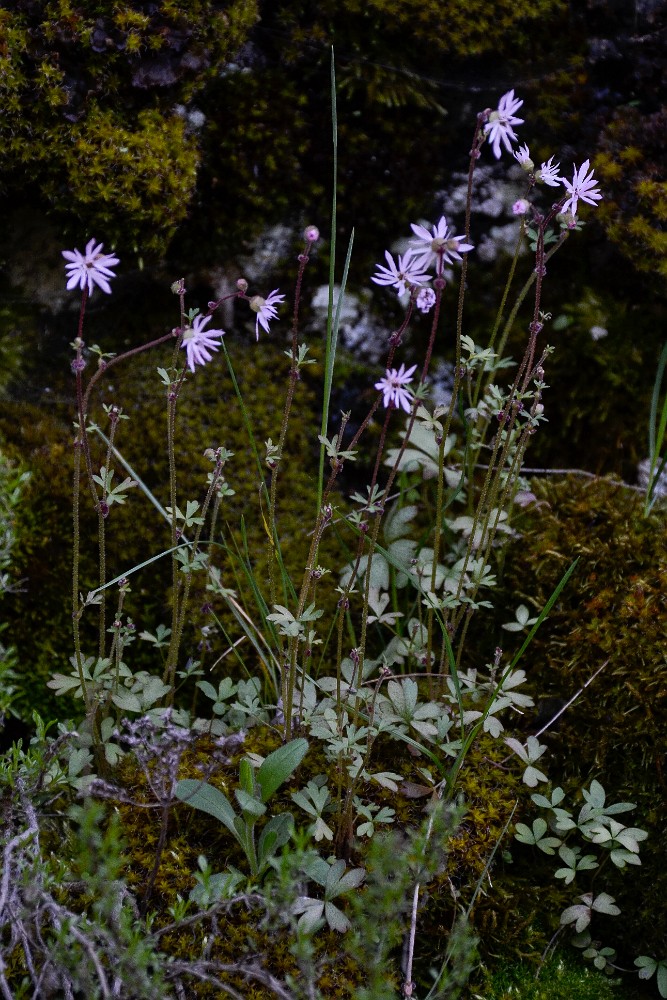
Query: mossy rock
[99, 87]
[611, 615]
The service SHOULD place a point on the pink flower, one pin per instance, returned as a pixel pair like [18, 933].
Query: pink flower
[91, 268]
[548, 173]
[265, 309]
[499, 126]
[520, 207]
[402, 275]
[393, 386]
[583, 186]
[198, 342]
[437, 245]
[522, 156]
[426, 300]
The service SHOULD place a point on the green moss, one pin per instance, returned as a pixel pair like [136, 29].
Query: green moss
[88, 96]
[611, 615]
[634, 210]
[562, 977]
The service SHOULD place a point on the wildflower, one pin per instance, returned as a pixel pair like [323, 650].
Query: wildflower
[520, 207]
[499, 126]
[426, 300]
[438, 244]
[548, 173]
[198, 342]
[400, 276]
[522, 156]
[583, 186]
[393, 385]
[265, 309]
[311, 234]
[91, 268]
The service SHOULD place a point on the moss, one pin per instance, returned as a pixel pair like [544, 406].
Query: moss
[562, 977]
[612, 613]
[632, 151]
[88, 95]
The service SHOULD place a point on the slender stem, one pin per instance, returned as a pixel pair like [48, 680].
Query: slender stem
[76, 496]
[291, 388]
[172, 398]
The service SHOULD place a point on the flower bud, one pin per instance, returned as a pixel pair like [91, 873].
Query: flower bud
[242, 285]
[311, 234]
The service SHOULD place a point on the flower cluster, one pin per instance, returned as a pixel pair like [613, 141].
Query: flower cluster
[498, 130]
[93, 267]
[431, 249]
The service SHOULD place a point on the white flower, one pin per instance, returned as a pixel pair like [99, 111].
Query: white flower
[393, 386]
[265, 309]
[400, 276]
[91, 268]
[426, 300]
[520, 207]
[499, 127]
[583, 186]
[522, 155]
[439, 244]
[198, 342]
[548, 174]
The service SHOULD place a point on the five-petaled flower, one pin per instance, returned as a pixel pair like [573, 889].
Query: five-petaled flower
[499, 126]
[548, 174]
[522, 156]
[90, 268]
[437, 245]
[198, 342]
[583, 186]
[265, 309]
[401, 276]
[393, 386]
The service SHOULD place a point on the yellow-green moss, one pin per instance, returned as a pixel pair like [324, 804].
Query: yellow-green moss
[613, 612]
[88, 98]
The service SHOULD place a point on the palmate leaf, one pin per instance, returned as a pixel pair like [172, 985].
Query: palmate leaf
[647, 966]
[536, 836]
